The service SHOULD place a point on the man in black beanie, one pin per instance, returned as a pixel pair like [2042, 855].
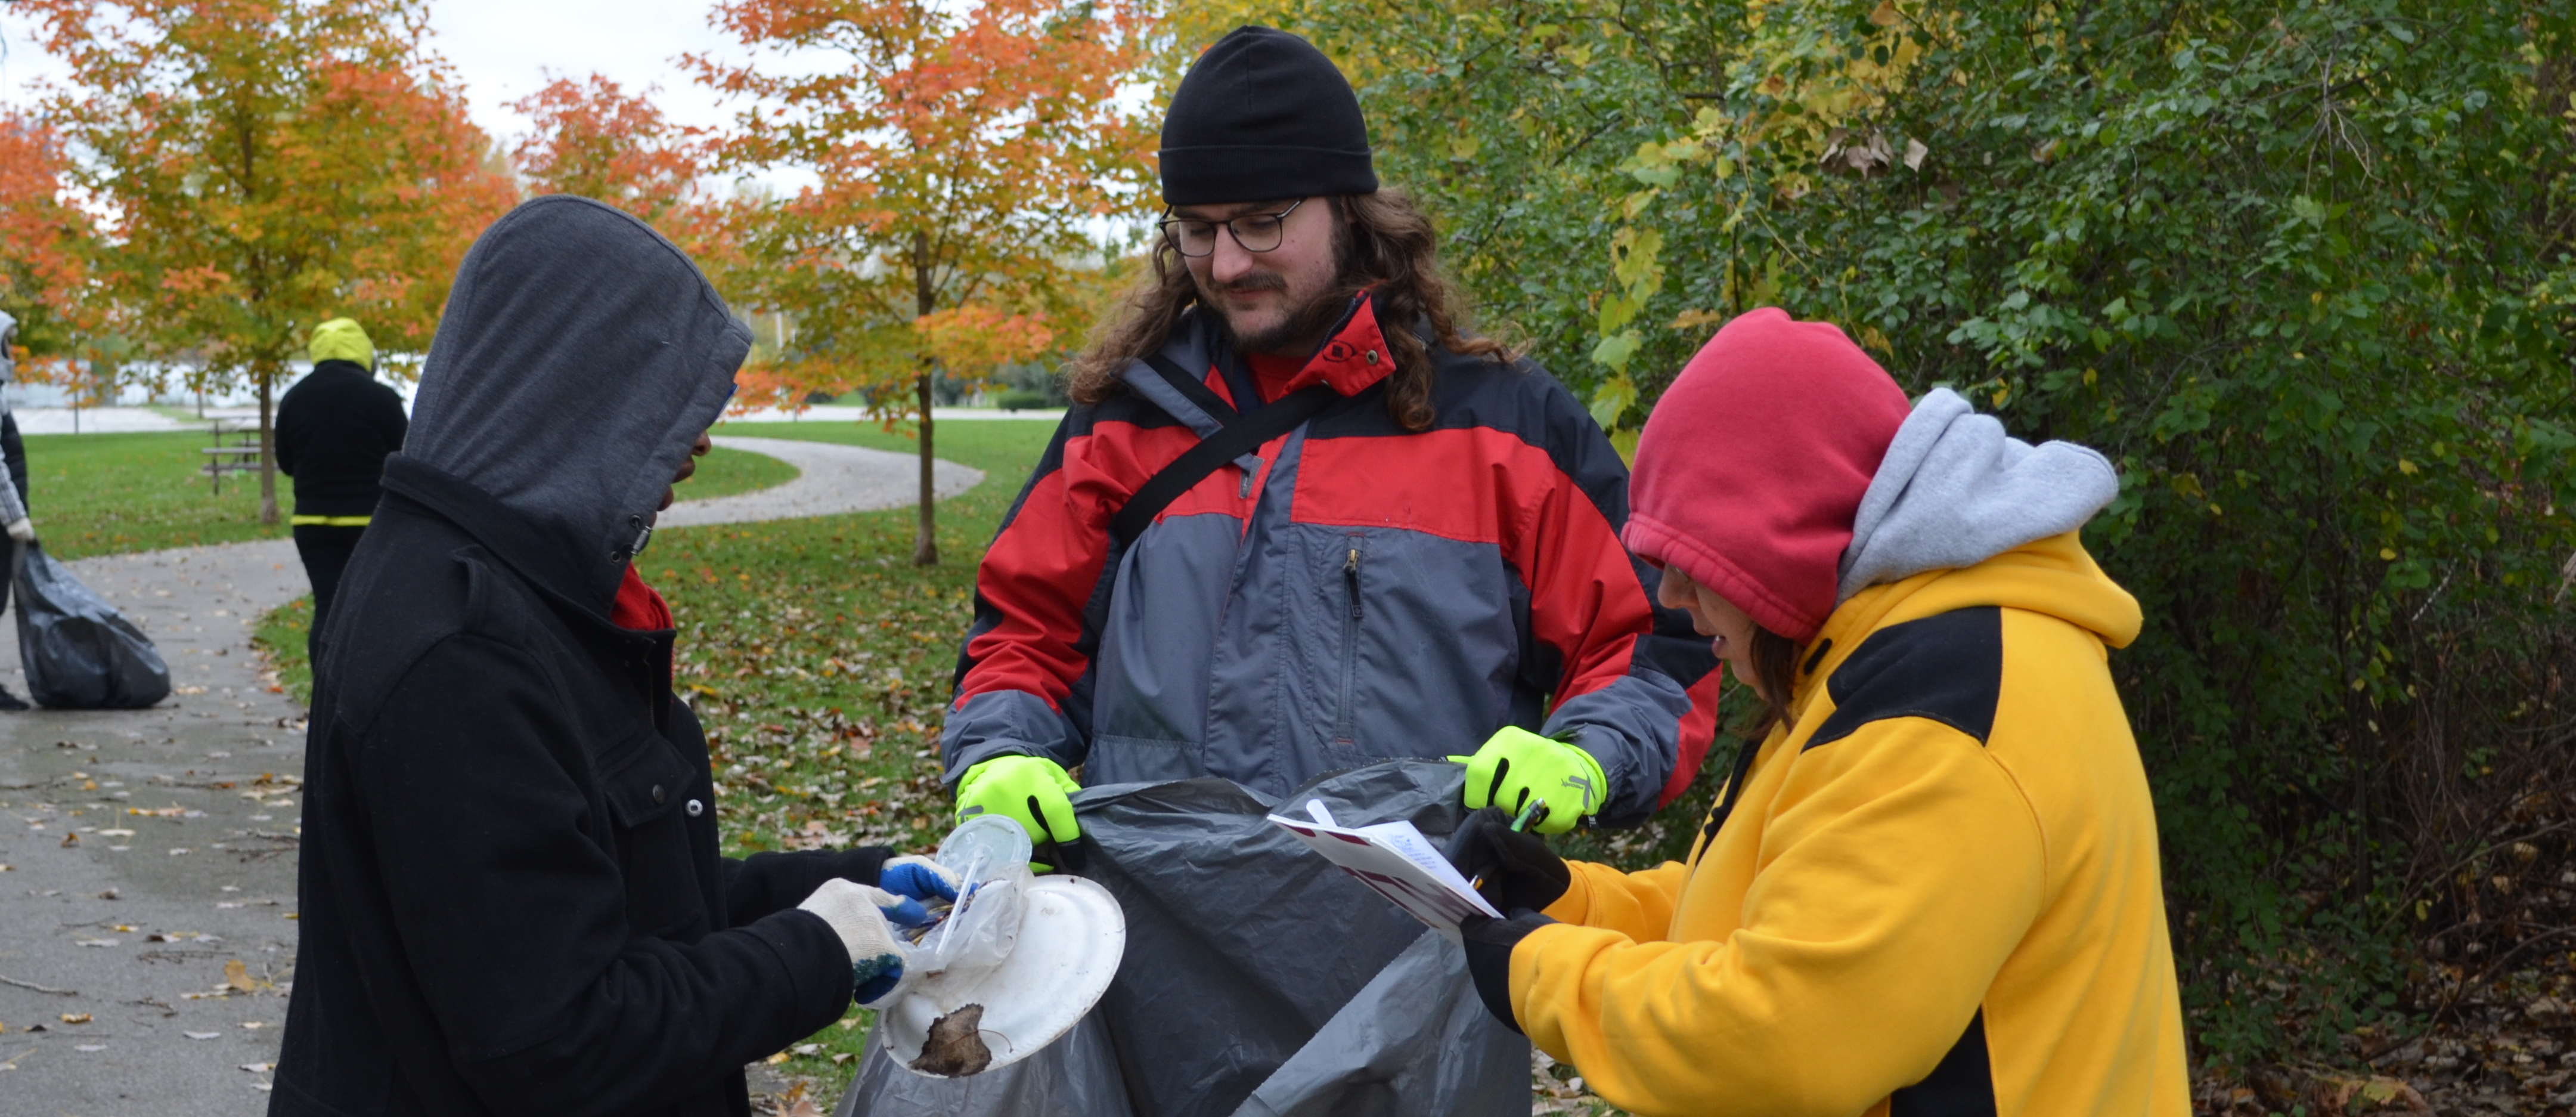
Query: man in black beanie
[1299, 522]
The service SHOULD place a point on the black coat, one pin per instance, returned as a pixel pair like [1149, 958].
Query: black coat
[13, 450]
[511, 898]
[334, 430]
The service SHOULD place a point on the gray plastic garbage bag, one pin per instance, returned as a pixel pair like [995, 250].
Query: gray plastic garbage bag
[79, 652]
[1259, 979]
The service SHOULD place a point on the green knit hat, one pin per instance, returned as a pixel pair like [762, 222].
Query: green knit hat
[342, 339]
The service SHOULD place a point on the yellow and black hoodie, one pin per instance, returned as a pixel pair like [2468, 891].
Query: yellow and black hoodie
[1934, 889]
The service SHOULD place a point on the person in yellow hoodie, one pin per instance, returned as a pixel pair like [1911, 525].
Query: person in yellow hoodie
[1932, 887]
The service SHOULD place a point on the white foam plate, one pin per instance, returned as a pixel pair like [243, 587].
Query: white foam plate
[1072, 935]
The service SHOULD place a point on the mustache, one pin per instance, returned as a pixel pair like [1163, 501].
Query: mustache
[1257, 281]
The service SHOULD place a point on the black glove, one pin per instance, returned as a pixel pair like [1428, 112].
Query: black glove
[1517, 870]
[1489, 957]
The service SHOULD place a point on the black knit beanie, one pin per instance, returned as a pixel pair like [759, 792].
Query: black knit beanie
[1263, 116]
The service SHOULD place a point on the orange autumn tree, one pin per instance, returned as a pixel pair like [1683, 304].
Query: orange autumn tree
[596, 140]
[44, 247]
[265, 165]
[962, 149]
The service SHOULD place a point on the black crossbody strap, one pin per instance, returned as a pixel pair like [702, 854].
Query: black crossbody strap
[1193, 390]
[1240, 437]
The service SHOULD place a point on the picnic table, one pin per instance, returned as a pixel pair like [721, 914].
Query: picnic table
[236, 449]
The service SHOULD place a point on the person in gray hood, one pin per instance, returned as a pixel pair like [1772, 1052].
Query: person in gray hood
[511, 897]
[13, 496]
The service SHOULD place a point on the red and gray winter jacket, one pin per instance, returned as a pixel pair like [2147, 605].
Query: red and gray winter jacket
[1351, 593]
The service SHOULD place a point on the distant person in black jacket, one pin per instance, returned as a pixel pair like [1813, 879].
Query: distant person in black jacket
[511, 897]
[13, 496]
[334, 430]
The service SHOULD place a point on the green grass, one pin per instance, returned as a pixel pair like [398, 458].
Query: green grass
[279, 638]
[101, 494]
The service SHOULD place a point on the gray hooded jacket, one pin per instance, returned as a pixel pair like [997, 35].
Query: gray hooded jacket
[12, 509]
[1955, 490]
[638, 353]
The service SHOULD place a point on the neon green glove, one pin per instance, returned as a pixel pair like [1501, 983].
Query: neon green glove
[1029, 790]
[1517, 765]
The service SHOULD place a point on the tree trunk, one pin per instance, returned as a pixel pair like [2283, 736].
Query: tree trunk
[925, 546]
[267, 378]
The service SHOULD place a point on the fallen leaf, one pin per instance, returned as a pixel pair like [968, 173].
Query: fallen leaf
[70, 839]
[237, 976]
[259, 1068]
[97, 942]
[955, 1048]
[776, 1059]
[89, 1047]
[201, 1035]
[253, 1024]
[73, 1018]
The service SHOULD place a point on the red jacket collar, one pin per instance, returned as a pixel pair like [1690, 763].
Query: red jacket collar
[1355, 357]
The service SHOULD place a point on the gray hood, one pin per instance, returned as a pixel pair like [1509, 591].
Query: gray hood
[579, 356]
[1955, 490]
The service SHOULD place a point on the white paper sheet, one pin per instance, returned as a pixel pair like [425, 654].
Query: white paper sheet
[1395, 861]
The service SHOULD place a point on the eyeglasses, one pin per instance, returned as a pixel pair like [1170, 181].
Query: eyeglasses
[1256, 232]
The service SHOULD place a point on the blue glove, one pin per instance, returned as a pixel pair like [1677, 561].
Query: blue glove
[919, 878]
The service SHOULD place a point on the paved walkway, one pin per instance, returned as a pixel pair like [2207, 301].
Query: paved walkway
[832, 479]
[835, 413]
[147, 857]
[96, 420]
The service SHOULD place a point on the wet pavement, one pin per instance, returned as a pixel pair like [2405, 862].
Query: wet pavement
[147, 911]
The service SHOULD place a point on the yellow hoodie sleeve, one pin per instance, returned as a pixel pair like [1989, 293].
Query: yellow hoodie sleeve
[1638, 905]
[1897, 869]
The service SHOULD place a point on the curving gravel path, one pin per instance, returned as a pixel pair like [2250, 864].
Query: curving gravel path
[143, 852]
[832, 479]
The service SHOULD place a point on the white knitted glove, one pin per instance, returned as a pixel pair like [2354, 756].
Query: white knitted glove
[23, 530]
[858, 913]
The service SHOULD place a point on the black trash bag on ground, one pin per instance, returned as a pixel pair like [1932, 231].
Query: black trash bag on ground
[78, 651]
[1259, 979]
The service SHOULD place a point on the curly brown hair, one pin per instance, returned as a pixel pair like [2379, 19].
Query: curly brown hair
[1387, 246]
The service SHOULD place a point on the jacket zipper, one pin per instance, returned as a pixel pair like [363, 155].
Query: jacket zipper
[1350, 641]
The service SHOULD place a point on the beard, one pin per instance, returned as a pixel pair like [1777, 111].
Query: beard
[1300, 331]
[1302, 328]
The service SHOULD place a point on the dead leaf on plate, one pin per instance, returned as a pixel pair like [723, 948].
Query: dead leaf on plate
[955, 1047]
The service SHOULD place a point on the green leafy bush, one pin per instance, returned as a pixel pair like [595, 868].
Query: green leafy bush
[2304, 271]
